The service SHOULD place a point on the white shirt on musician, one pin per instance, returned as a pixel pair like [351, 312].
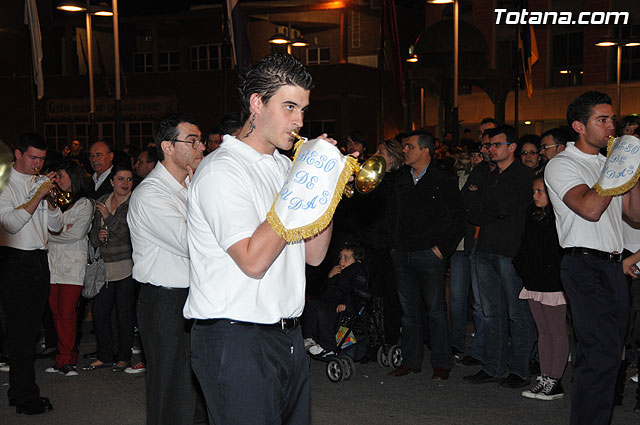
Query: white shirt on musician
[19, 229]
[157, 221]
[571, 168]
[232, 191]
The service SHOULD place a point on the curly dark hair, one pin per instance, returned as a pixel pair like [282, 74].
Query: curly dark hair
[268, 75]
[582, 107]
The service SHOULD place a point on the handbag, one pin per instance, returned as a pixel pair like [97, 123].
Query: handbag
[95, 274]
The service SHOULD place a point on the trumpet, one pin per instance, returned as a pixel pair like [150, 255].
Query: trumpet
[368, 176]
[56, 196]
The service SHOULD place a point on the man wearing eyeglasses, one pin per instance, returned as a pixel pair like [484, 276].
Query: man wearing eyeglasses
[157, 221]
[101, 159]
[553, 141]
[498, 203]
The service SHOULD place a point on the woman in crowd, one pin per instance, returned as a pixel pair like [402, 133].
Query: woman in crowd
[67, 261]
[111, 233]
[628, 125]
[538, 265]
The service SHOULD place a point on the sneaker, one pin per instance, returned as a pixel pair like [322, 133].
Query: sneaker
[552, 390]
[68, 370]
[4, 368]
[315, 349]
[634, 378]
[469, 361]
[52, 369]
[535, 390]
[309, 342]
[138, 368]
[136, 350]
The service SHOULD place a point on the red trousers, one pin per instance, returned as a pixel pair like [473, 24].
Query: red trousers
[63, 300]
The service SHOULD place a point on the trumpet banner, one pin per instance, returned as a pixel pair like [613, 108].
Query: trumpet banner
[313, 188]
[40, 183]
[622, 168]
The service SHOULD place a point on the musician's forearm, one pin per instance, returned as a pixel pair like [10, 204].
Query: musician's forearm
[316, 247]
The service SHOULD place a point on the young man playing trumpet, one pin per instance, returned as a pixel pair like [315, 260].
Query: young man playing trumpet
[247, 284]
[26, 218]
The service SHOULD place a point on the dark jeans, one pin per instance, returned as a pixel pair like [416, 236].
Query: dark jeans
[477, 343]
[319, 321]
[24, 284]
[382, 279]
[172, 388]
[459, 285]
[508, 325]
[121, 294]
[599, 300]
[251, 374]
[420, 279]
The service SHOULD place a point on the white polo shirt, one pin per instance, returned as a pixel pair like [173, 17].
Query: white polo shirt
[18, 228]
[157, 219]
[571, 168]
[231, 193]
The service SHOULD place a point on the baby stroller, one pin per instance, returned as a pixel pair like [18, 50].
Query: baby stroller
[352, 341]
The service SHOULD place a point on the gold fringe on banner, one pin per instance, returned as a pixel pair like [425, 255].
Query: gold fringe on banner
[312, 229]
[44, 186]
[619, 190]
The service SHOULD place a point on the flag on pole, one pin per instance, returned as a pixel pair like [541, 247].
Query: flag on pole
[31, 19]
[240, 48]
[528, 50]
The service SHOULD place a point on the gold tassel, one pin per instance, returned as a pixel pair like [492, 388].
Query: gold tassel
[44, 186]
[312, 229]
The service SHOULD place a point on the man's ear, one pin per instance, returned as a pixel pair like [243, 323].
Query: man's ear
[255, 103]
[513, 146]
[578, 127]
[167, 147]
[17, 153]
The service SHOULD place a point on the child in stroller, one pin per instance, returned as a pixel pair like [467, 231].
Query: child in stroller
[321, 316]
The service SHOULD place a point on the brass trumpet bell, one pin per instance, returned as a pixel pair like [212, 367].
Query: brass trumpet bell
[368, 177]
[58, 197]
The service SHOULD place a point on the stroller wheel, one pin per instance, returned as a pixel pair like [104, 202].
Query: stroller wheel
[335, 371]
[395, 356]
[349, 367]
[383, 359]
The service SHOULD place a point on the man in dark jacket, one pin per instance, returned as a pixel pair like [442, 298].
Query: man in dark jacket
[427, 216]
[497, 202]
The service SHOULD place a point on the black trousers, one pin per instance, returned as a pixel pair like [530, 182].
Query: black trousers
[599, 300]
[121, 294]
[173, 393]
[251, 374]
[24, 284]
[319, 320]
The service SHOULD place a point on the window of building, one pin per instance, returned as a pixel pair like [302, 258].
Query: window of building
[168, 61]
[630, 66]
[142, 62]
[56, 135]
[355, 30]
[316, 128]
[318, 55]
[139, 133]
[81, 133]
[106, 132]
[566, 59]
[210, 56]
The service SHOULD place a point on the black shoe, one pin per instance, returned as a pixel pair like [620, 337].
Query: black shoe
[481, 377]
[47, 352]
[552, 390]
[93, 355]
[469, 361]
[36, 406]
[513, 381]
[457, 354]
[45, 401]
[636, 409]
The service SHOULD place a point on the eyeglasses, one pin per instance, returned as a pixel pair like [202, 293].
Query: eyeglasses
[195, 144]
[476, 154]
[494, 144]
[529, 153]
[97, 155]
[545, 147]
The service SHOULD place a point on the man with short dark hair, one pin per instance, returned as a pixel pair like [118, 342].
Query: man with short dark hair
[157, 220]
[590, 230]
[145, 162]
[427, 223]
[553, 141]
[357, 142]
[26, 219]
[101, 158]
[214, 139]
[247, 286]
[498, 203]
